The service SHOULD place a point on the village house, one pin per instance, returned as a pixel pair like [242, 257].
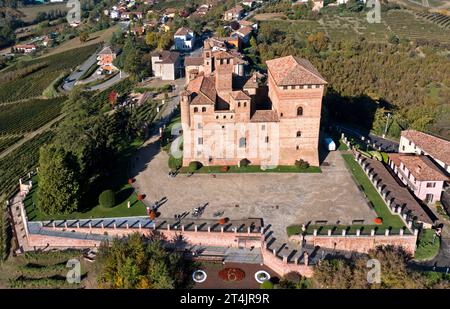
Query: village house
[438, 149]
[184, 39]
[201, 10]
[235, 13]
[285, 113]
[249, 3]
[114, 14]
[166, 65]
[25, 48]
[105, 60]
[420, 174]
[195, 65]
[244, 33]
[246, 23]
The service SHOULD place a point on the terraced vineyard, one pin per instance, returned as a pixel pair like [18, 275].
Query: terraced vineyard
[8, 141]
[26, 116]
[19, 162]
[436, 18]
[33, 84]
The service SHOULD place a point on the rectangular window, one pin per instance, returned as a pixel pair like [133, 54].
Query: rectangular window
[285, 87]
[309, 86]
[263, 127]
[200, 140]
[267, 139]
[431, 185]
[199, 126]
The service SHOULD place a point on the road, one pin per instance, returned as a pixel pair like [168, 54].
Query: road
[385, 144]
[115, 79]
[69, 82]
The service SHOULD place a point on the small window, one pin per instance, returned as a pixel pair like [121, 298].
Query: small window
[217, 117]
[224, 116]
[299, 111]
[267, 139]
[239, 104]
[245, 104]
[199, 126]
[309, 86]
[231, 116]
[285, 87]
[203, 109]
[431, 184]
[242, 142]
[200, 140]
[263, 127]
[299, 134]
[223, 127]
[298, 147]
[281, 115]
[195, 109]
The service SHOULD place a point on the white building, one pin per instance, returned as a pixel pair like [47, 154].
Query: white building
[184, 39]
[166, 65]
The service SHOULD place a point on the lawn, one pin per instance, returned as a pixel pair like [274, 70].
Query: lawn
[118, 181]
[254, 169]
[389, 220]
[426, 249]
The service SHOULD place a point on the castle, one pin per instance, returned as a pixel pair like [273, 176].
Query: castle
[228, 117]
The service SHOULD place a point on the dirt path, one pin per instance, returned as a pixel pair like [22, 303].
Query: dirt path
[29, 136]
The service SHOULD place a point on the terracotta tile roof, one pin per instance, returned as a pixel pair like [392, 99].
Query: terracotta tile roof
[166, 56]
[203, 90]
[291, 70]
[253, 81]
[246, 23]
[421, 167]
[223, 55]
[235, 10]
[436, 147]
[183, 31]
[193, 61]
[244, 31]
[264, 116]
[239, 95]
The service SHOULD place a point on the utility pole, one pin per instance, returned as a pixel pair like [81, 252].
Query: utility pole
[387, 123]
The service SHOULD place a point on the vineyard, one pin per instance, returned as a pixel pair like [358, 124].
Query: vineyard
[6, 142]
[19, 162]
[436, 18]
[26, 116]
[33, 84]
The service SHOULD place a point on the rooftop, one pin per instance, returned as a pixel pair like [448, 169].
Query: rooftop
[436, 147]
[421, 167]
[292, 70]
[166, 56]
[183, 31]
[264, 116]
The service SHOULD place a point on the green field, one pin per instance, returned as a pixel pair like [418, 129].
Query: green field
[26, 116]
[32, 85]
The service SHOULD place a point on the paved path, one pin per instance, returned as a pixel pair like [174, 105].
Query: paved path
[385, 144]
[113, 80]
[280, 199]
[69, 82]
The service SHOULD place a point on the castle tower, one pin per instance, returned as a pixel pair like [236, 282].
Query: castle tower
[224, 72]
[208, 61]
[185, 98]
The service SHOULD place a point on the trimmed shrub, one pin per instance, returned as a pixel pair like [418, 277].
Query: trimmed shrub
[267, 285]
[194, 166]
[302, 164]
[107, 199]
[244, 162]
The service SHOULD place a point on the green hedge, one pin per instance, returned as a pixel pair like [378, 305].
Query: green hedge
[107, 199]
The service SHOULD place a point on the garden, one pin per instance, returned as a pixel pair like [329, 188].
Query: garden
[428, 245]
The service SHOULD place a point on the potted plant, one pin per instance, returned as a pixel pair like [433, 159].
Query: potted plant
[378, 220]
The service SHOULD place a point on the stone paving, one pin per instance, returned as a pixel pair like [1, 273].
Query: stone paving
[280, 199]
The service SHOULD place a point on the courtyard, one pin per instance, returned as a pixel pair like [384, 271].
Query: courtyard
[281, 199]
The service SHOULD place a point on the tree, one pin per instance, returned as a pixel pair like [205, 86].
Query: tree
[107, 199]
[152, 38]
[141, 262]
[221, 32]
[84, 36]
[59, 188]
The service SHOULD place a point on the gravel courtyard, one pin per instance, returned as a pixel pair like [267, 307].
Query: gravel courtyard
[280, 199]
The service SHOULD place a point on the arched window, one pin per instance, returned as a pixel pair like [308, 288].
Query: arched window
[195, 109]
[203, 109]
[242, 142]
[299, 111]
[299, 133]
